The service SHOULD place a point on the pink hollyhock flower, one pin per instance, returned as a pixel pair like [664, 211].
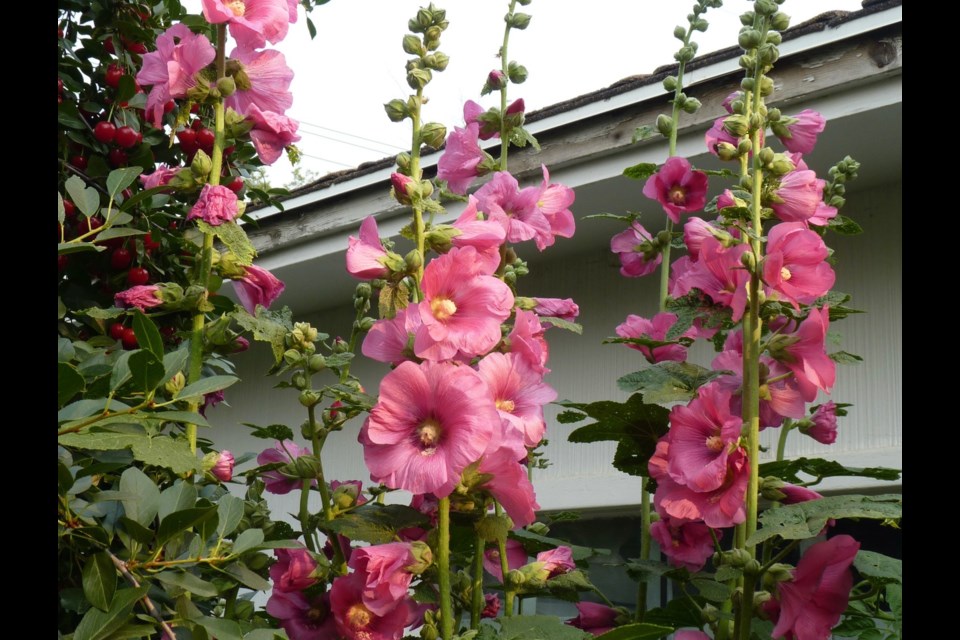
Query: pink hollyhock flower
[801, 136]
[355, 621]
[655, 329]
[348, 489]
[720, 508]
[252, 22]
[638, 257]
[527, 341]
[386, 579]
[432, 420]
[172, 67]
[301, 617]
[824, 213]
[158, 178]
[458, 165]
[696, 230]
[257, 287]
[805, 354]
[690, 634]
[491, 605]
[792, 494]
[390, 340]
[717, 135]
[486, 236]
[798, 197]
[271, 133]
[557, 561]
[824, 428]
[293, 570]
[366, 256]
[292, 10]
[554, 203]
[701, 435]
[286, 451]
[795, 265]
[515, 209]
[141, 296]
[462, 307]
[510, 485]
[516, 558]
[594, 618]
[719, 274]
[729, 100]
[269, 81]
[519, 394]
[812, 603]
[677, 187]
[216, 205]
[222, 469]
[564, 308]
[685, 543]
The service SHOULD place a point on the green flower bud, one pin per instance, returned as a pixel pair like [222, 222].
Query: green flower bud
[766, 155]
[309, 398]
[781, 164]
[514, 578]
[422, 557]
[664, 125]
[175, 385]
[429, 632]
[518, 20]
[736, 125]
[413, 260]
[773, 115]
[539, 528]
[766, 86]
[291, 356]
[749, 39]
[418, 78]
[432, 38]
[679, 33]
[403, 162]
[517, 73]
[201, 165]
[768, 54]
[774, 37]
[744, 146]
[670, 83]
[364, 291]
[396, 110]
[747, 84]
[424, 19]
[726, 151]
[306, 467]
[747, 62]
[412, 45]
[493, 528]
[299, 380]
[366, 324]
[709, 614]
[433, 134]
[686, 53]
[778, 572]
[765, 7]
[317, 363]
[691, 105]
[746, 19]
[749, 261]
[701, 25]
[437, 61]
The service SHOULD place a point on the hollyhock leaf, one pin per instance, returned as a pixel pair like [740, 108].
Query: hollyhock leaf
[667, 382]
[843, 357]
[268, 326]
[567, 586]
[376, 523]
[789, 470]
[188, 582]
[641, 171]
[634, 422]
[220, 628]
[711, 590]
[539, 627]
[726, 573]
[853, 627]
[534, 543]
[844, 226]
[682, 612]
[631, 458]
[807, 519]
[279, 432]
[148, 336]
[646, 569]
[182, 495]
[182, 521]
[246, 577]
[188, 417]
[230, 512]
[393, 298]
[563, 324]
[235, 238]
[761, 628]
[159, 451]
[637, 631]
[207, 385]
[878, 568]
[99, 580]
[97, 625]
[569, 417]
[895, 600]
[691, 307]
[521, 138]
[644, 132]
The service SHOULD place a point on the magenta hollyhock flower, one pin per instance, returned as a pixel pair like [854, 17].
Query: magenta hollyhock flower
[685, 543]
[301, 617]
[802, 132]
[222, 469]
[491, 605]
[216, 205]
[172, 68]
[286, 451]
[515, 209]
[719, 274]
[462, 307]
[526, 340]
[252, 22]
[355, 621]
[655, 329]
[293, 570]
[554, 203]
[516, 558]
[795, 266]
[519, 394]
[458, 165]
[352, 489]
[717, 135]
[792, 494]
[269, 77]
[633, 246]
[805, 354]
[432, 420]
[210, 400]
[271, 133]
[557, 561]
[697, 229]
[564, 308]
[141, 296]
[721, 508]
[257, 287]
[677, 187]
[594, 618]
[486, 236]
[160, 177]
[701, 435]
[390, 340]
[385, 575]
[365, 256]
[812, 603]
[798, 197]
[510, 484]
[824, 428]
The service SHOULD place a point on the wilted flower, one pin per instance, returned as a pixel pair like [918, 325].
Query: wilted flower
[216, 205]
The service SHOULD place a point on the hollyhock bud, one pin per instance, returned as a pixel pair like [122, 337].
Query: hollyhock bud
[175, 384]
[433, 134]
[496, 80]
[823, 424]
[402, 187]
[517, 73]
[160, 177]
[396, 110]
[222, 465]
[216, 205]
[664, 125]
[422, 557]
[491, 605]
[201, 165]
[595, 618]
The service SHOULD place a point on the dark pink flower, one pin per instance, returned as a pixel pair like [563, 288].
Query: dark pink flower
[519, 394]
[677, 187]
[486, 236]
[702, 435]
[252, 22]
[717, 135]
[795, 266]
[510, 484]
[172, 68]
[210, 400]
[527, 341]
[729, 100]
[805, 354]
[515, 209]
[594, 618]
[222, 468]
[301, 617]
[293, 570]
[355, 621]
[269, 81]
[516, 558]
[557, 561]
[160, 177]
[286, 451]
[554, 203]
[824, 428]
[638, 256]
[685, 543]
[458, 165]
[491, 605]
[141, 296]
[564, 308]
[812, 603]
[385, 575]
[798, 197]
[257, 287]
[271, 133]
[719, 274]
[800, 135]
[216, 205]
[720, 508]
[696, 229]
[792, 494]
[366, 255]
[390, 340]
[655, 329]
[432, 420]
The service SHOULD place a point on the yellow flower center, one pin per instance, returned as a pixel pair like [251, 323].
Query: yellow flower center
[428, 434]
[358, 617]
[785, 274]
[714, 443]
[506, 405]
[677, 195]
[238, 7]
[442, 308]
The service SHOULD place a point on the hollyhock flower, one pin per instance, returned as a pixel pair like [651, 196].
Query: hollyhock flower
[824, 213]
[564, 308]
[554, 203]
[655, 329]
[795, 266]
[805, 354]
[141, 296]
[301, 617]
[271, 133]
[685, 543]
[677, 187]
[515, 209]
[390, 340]
[491, 605]
[557, 561]
[486, 236]
[432, 420]
[638, 256]
[461, 158]
[462, 307]
[696, 229]
[792, 494]
[216, 205]
[519, 394]
[171, 69]
[348, 491]
[824, 427]
[527, 341]
[799, 195]
[222, 468]
[717, 135]
[516, 558]
[700, 437]
[729, 100]
[690, 634]
[594, 618]
[366, 256]
[720, 274]
[252, 22]
[355, 621]
[720, 508]
[510, 485]
[210, 400]
[257, 287]
[293, 570]
[800, 135]
[386, 579]
[286, 451]
[812, 603]
[160, 177]
[268, 81]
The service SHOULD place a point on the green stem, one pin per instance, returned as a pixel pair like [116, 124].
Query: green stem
[319, 438]
[504, 567]
[305, 514]
[505, 68]
[416, 174]
[477, 601]
[443, 567]
[782, 440]
[780, 556]
[230, 602]
[643, 585]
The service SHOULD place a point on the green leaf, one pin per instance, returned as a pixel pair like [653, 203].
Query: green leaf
[789, 470]
[539, 628]
[681, 612]
[141, 196]
[853, 626]
[182, 521]
[186, 417]
[61, 211]
[279, 432]
[99, 580]
[266, 634]
[148, 336]
[807, 519]
[160, 451]
[182, 495]
[230, 512]
[119, 232]
[667, 382]
[638, 631]
[86, 198]
[221, 628]
[641, 171]
[66, 248]
[65, 350]
[143, 508]
[312, 30]
[236, 240]
[69, 116]
[100, 313]
[842, 357]
[69, 382]
[711, 590]
[393, 298]
[268, 326]
[207, 385]
[174, 361]
[376, 523]
[246, 577]
[535, 543]
[643, 132]
[646, 569]
[726, 573]
[86, 408]
[146, 370]
[128, 631]
[569, 417]
[563, 324]
[120, 179]
[844, 226]
[120, 373]
[878, 567]
[247, 540]
[567, 586]
[895, 600]
[97, 625]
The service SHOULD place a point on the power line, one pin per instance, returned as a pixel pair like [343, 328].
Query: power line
[307, 155]
[352, 144]
[351, 135]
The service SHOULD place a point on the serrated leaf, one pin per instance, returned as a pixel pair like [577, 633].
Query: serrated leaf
[99, 580]
[567, 586]
[143, 508]
[789, 470]
[641, 171]
[246, 577]
[843, 357]
[638, 631]
[393, 298]
[97, 625]
[146, 370]
[535, 543]
[563, 324]
[271, 432]
[726, 573]
[667, 382]
[569, 417]
[120, 179]
[878, 567]
[844, 226]
[182, 495]
[207, 385]
[69, 382]
[643, 132]
[230, 512]
[220, 628]
[100, 313]
[268, 326]
[236, 240]
[249, 539]
[711, 590]
[376, 523]
[86, 198]
[807, 519]
[161, 451]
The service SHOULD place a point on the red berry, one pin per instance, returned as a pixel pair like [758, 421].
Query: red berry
[194, 108]
[121, 258]
[108, 45]
[137, 47]
[139, 137]
[149, 244]
[79, 162]
[60, 33]
[59, 85]
[105, 132]
[62, 262]
[137, 276]
[229, 150]
[69, 209]
[117, 157]
[205, 139]
[126, 137]
[129, 339]
[116, 331]
[235, 185]
[113, 75]
[188, 140]
[169, 106]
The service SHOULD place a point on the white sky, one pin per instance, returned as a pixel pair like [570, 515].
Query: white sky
[572, 47]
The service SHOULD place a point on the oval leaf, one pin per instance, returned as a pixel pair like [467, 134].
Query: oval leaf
[148, 336]
[97, 625]
[182, 495]
[142, 509]
[207, 385]
[69, 382]
[99, 580]
[230, 511]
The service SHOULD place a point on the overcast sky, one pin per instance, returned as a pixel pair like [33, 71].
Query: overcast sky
[572, 47]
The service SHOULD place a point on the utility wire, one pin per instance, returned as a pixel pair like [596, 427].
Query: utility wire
[351, 135]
